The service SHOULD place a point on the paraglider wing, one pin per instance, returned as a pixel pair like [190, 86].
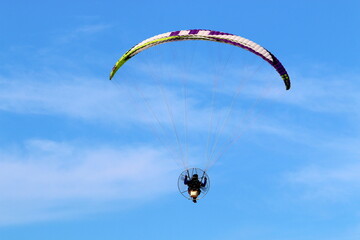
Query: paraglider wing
[208, 35]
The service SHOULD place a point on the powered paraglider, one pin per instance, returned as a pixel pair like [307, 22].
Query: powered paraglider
[200, 184]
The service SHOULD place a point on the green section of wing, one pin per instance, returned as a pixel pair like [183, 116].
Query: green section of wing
[129, 53]
[135, 49]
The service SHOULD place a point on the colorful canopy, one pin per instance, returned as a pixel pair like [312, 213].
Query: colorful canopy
[208, 35]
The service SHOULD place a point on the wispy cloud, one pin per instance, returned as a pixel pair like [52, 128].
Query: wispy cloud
[82, 31]
[336, 183]
[328, 94]
[66, 95]
[157, 109]
[49, 178]
[94, 99]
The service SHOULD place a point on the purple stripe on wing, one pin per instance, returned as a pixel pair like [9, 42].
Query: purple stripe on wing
[194, 31]
[174, 33]
[218, 33]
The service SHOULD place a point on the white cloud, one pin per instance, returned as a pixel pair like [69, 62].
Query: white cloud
[82, 31]
[51, 179]
[113, 103]
[324, 94]
[119, 104]
[65, 95]
[329, 94]
[329, 183]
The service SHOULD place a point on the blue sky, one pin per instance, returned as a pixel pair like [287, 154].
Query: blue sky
[80, 156]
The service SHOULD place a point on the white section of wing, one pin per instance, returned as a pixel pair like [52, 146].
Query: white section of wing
[203, 34]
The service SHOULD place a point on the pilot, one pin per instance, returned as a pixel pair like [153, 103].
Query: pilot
[194, 185]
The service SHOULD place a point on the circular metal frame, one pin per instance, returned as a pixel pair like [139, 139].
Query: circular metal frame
[183, 189]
